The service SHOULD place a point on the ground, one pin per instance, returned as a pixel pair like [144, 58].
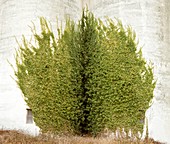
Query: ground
[16, 137]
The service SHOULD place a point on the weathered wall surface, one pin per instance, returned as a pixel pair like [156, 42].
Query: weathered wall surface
[15, 16]
[150, 19]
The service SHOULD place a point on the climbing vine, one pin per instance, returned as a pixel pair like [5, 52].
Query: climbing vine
[88, 78]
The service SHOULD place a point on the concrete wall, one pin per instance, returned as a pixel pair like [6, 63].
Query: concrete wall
[150, 19]
[15, 17]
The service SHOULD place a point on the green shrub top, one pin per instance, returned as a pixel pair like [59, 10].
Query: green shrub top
[89, 78]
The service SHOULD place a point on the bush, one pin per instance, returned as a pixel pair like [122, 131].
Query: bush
[91, 78]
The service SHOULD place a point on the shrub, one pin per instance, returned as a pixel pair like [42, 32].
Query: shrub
[91, 78]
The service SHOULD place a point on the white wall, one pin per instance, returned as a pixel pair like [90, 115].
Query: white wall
[15, 16]
[150, 19]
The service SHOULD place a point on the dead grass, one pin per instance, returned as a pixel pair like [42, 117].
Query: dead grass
[16, 137]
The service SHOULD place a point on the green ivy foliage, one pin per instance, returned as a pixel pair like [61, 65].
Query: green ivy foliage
[89, 78]
[44, 74]
[121, 83]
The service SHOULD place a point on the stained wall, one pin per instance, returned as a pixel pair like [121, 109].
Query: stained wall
[150, 19]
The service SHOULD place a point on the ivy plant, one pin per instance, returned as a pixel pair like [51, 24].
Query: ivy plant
[89, 77]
